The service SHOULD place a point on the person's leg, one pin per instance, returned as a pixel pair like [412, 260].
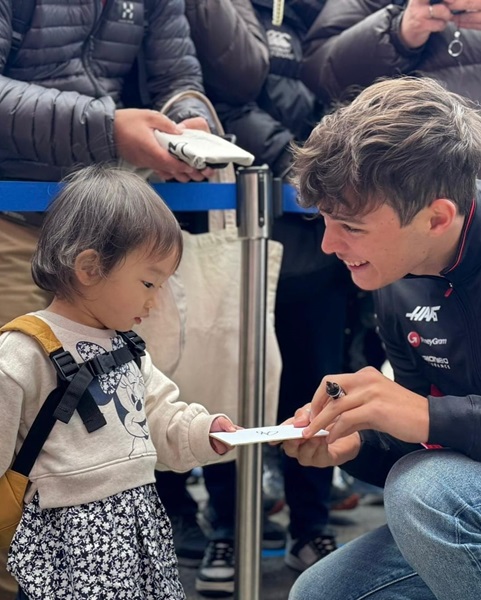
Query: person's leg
[18, 292]
[433, 507]
[217, 571]
[370, 567]
[189, 540]
[220, 483]
[310, 331]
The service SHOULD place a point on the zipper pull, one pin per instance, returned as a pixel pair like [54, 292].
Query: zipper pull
[448, 292]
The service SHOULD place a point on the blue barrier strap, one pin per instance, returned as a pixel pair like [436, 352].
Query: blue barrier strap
[35, 196]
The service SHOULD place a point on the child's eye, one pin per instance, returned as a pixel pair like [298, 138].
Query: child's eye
[148, 285]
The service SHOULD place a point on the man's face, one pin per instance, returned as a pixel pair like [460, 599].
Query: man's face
[377, 250]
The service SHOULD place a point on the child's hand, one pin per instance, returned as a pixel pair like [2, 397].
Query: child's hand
[222, 424]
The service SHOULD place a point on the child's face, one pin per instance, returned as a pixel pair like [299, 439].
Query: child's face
[125, 297]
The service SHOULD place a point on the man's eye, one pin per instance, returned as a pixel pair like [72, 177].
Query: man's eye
[351, 229]
[148, 285]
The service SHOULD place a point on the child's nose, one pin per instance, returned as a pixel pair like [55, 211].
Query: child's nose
[153, 301]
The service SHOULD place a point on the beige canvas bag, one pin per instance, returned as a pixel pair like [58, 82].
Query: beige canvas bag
[193, 332]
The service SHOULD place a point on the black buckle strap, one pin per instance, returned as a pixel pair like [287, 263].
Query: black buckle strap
[64, 364]
[76, 395]
[134, 341]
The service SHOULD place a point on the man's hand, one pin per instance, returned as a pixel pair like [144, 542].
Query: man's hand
[372, 401]
[135, 141]
[319, 452]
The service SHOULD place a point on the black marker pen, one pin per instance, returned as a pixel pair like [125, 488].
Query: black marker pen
[334, 390]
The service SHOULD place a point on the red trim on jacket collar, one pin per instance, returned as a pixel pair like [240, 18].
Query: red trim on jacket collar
[462, 243]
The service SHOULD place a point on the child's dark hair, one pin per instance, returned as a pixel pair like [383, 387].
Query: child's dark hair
[105, 209]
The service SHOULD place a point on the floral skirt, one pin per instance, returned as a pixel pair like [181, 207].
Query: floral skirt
[117, 548]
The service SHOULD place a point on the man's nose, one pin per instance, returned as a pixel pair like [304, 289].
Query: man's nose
[330, 241]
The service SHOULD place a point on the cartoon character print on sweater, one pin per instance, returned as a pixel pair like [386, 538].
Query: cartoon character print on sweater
[126, 379]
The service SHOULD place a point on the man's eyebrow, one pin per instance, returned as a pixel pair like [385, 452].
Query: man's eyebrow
[345, 218]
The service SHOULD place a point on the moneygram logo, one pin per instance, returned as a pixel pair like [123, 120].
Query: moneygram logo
[424, 313]
[416, 340]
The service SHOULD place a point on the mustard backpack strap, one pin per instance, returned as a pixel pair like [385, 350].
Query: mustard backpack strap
[36, 328]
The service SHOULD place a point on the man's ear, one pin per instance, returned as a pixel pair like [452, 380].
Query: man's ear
[87, 267]
[443, 213]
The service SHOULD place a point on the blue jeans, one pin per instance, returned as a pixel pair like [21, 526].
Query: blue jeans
[429, 550]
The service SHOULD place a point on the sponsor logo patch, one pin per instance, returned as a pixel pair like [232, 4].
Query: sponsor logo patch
[437, 361]
[424, 313]
[416, 340]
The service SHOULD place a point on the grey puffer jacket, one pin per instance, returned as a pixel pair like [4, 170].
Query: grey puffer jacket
[58, 95]
[353, 42]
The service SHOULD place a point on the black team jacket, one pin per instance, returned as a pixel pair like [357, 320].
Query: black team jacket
[431, 327]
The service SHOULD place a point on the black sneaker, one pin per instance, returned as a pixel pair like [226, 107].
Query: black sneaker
[216, 573]
[273, 535]
[302, 553]
[189, 540]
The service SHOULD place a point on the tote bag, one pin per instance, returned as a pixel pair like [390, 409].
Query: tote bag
[193, 332]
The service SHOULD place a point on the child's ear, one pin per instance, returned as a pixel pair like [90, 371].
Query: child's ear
[87, 267]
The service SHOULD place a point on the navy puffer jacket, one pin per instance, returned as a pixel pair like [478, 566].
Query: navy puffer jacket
[58, 95]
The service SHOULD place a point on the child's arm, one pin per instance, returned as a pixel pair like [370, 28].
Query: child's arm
[222, 424]
[179, 431]
[20, 376]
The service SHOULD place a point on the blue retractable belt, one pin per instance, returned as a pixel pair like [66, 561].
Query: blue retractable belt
[27, 196]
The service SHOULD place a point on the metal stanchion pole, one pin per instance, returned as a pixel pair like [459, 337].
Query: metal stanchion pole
[254, 210]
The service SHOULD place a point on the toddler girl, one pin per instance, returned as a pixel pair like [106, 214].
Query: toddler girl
[93, 526]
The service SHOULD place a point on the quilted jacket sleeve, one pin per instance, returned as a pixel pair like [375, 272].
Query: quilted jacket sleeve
[48, 126]
[171, 60]
[232, 48]
[351, 44]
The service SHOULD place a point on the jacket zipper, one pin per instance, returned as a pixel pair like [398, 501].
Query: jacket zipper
[88, 45]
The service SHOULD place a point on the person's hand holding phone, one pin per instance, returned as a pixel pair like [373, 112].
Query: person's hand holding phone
[466, 13]
[421, 18]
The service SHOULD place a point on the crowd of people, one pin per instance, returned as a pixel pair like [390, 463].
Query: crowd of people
[391, 167]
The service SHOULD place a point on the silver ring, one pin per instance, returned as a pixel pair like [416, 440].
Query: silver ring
[431, 16]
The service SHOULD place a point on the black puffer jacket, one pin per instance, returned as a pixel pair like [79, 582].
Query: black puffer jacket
[58, 95]
[353, 42]
[432, 332]
[265, 105]
[232, 48]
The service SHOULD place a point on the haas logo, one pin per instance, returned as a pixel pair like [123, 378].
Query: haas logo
[424, 313]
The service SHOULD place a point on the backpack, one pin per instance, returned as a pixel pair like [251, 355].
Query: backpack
[70, 394]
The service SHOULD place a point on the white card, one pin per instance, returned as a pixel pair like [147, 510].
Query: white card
[260, 435]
